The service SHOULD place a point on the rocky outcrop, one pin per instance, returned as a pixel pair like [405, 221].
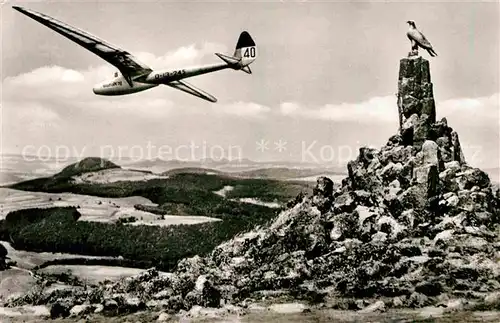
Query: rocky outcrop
[412, 225]
[3, 256]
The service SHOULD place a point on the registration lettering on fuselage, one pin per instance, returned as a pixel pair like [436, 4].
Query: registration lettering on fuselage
[117, 83]
[170, 74]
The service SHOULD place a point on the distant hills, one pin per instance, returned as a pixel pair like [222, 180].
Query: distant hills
[277, 173]
[16, 168]
[225, 165]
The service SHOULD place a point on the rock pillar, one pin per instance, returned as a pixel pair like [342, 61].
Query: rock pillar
[415, 94]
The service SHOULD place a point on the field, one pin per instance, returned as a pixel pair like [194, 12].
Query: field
[91, 208]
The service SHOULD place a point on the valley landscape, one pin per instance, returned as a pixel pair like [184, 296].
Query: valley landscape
[106, 193]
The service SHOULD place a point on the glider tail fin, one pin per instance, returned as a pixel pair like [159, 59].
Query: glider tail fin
[246, 50]
[244, 54]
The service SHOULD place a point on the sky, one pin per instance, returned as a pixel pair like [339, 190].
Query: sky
[323, 85]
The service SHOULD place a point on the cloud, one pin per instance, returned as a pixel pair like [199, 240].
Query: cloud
[375, 109]
[477, 121]
[57, 88]
[47, 74]
[192, 54]
[475, 111]
[242, 109]
[30, 120]
[152, 109]
[32, 116]
[33, 111]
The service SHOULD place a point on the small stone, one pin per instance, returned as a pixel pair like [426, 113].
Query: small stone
[457, 153]
[408, 218]
[492, 298]
[429, 288]
[430, 153]
[453, 200]
[379, 237]
[340, 250]
[397, 302]
[288, 308]
[444, 236]
[455, 165]
[59, 309]
[417, 300]
[164, 317]
[79, 310]
[455, 305]
[391, 171]
[378, 306]
[99, 308]
[335, 234]
[360, 304]
[324, 187]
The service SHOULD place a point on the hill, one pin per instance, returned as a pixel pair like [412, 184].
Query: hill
[86, 165]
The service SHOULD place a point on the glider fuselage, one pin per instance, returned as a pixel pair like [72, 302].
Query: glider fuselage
[119, 85]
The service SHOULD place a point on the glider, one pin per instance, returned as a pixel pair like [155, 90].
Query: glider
[135, 76]
[418, 39]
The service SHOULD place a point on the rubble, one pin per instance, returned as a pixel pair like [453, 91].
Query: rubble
[412, 225]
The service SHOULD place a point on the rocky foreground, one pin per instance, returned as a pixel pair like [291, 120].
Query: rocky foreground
[412, 225]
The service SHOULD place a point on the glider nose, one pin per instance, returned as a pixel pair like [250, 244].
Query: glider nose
[97, 89]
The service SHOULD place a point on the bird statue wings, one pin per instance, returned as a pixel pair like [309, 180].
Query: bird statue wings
[418, 39]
